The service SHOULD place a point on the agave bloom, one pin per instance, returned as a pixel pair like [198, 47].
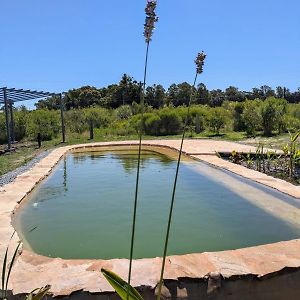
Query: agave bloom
[151, 18]
[199, 61]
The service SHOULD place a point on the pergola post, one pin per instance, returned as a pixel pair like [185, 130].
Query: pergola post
[62, 118]
[12, 122]
[7, 119]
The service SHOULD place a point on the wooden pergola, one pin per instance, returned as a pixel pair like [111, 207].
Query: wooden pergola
[8, 96]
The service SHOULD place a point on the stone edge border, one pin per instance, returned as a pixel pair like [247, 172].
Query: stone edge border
[25, 183]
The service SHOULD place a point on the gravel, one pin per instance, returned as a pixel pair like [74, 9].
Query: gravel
[10, 176]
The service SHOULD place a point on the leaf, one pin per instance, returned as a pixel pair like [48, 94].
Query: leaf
[295, 137]
[4, 290]
[3, 274]
[42, 292]
[121, 286]
[11, 265]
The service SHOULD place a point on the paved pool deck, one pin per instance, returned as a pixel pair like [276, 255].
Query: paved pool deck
[68, 276]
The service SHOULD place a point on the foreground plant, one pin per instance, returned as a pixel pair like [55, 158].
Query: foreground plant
[199, 69]
[39, 294]
[151, 18]
[123, 289]
[7, 268]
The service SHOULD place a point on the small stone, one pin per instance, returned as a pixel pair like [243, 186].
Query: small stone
[165, 293]
[182, 293]
[214, 282]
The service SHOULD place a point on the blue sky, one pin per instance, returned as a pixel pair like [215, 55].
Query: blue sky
[57, 45]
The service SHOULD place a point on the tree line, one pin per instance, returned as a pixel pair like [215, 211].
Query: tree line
[128, 91]
[250, 117]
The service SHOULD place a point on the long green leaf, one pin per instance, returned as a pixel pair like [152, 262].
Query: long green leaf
[121, 286]
[4, 290]
[3, 273]
[11, 265]
[295, 137]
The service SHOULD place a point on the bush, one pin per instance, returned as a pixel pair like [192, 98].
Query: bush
[251, 116]
[170, 122]
[291, 123]
[238, 121]
[75, 121]
[272, 113]
[217, 119]
[45, 122]
[123, 112]
[152, 124]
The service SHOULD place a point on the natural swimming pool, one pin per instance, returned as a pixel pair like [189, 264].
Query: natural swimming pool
[84, 208]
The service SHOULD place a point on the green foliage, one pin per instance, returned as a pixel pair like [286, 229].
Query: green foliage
[217, 119]
[123, 112]
[44, 122]
[125, 291]
[272, 113]
[170, 122]
[238, 121]
[251, 117]
[7, 268]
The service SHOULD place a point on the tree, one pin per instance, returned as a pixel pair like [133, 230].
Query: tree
[272, 111]
[251, 116]
[217, 97]
[267, 91]
[155, 95]
[202, 94]
[217, 119]
[238, 122]
[179, 94]
[233, 94]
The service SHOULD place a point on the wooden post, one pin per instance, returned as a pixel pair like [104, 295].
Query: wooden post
[12, 122]
[62, 118]
[7, 119]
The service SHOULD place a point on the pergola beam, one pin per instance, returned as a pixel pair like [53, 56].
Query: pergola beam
[10, 95]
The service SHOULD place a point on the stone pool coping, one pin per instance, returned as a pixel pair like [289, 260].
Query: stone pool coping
[68, 276]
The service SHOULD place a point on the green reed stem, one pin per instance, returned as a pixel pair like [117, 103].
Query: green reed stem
[138, 171]
[174, 192]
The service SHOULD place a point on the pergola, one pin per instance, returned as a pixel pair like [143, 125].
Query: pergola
[8, 96]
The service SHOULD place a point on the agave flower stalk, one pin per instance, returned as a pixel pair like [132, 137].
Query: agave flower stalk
[199, 69]
[149, 27]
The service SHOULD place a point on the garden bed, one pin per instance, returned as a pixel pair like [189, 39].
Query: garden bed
[270, 163]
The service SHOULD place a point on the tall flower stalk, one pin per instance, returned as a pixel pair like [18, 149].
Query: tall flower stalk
[149, 27]
[199, 69]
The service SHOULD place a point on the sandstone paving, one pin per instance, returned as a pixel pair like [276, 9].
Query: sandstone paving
[66, 276]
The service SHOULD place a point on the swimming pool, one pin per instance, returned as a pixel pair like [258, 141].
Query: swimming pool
[84, 208]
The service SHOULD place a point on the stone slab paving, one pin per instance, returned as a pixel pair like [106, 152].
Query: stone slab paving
[66, 276]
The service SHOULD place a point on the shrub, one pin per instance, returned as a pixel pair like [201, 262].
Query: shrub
[152, 124]
[217, 119]
[238, 121]
[75, 121]
[170, 122]
[251, 116]
[272, 112]
[123, 112]
[291, 123]
[45, 122]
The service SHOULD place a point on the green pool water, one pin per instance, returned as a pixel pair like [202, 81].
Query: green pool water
[84, 208]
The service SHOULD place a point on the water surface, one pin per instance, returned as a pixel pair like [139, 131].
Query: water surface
[84, 208]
